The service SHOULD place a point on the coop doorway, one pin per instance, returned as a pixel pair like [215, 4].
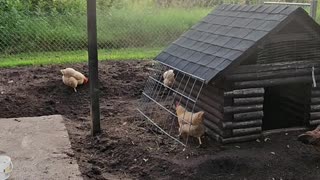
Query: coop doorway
[286, 106]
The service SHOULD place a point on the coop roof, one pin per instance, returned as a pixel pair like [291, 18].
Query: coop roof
[224, 37]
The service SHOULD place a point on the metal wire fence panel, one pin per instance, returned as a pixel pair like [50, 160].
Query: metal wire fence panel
[160, 101]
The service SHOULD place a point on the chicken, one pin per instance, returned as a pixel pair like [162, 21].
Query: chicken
[168, 78]
[186, 117]
[73, 78]
[192, 130]
[190, 123]
[311, 137]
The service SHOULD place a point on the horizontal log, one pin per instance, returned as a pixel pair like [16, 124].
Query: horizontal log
[243, 109]
[213, 127]
[240, 138]
[315, 108]
[246, 131]
[252, 92]
[282, 130]
[276, 66]
[271, 74]
[210, 102]
[315, 101]
[315, 93]
[208, 92]
[273, 82]
[226, 124]
[248, 101]
[213, 135]
[201, 107]
[314, 116]
[246, 124]
[314, 122]
[248, 116]
[212, 118]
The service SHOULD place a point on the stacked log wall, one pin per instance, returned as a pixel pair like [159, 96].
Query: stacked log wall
[315, 106]
[210, 100]
[243, 112]
[247, 95]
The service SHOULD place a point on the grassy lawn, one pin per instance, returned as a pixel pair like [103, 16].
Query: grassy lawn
[45, 58]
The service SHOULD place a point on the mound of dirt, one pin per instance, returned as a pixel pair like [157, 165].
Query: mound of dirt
[130, 148]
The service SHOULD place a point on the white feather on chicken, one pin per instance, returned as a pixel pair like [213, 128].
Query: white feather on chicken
[168, 78]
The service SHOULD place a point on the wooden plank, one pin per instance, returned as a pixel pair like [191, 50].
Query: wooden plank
[314, 122]
[214, 127]
[240, 138]
[280, 38]
[200, 106]
[208, 92]
[245, 124]
[276, 66]
[248, 101]
[314, 115]
[251, 92]
[272, 74]
[315, 100]
[315, 108]
[315, 93]
[248, 116]
[283, 130]
[273, 82]
[213, 135]
[243, 109]
[246, 131]
[226, 124]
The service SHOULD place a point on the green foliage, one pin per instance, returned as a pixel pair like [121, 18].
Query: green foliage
[60, 25]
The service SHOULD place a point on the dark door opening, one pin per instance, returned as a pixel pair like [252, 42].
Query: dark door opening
[286, 106]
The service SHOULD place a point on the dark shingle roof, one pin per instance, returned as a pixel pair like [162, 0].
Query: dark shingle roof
[222, 37]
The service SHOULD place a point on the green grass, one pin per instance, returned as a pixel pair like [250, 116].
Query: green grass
[65, 57]
[117, 28]
[129, 29]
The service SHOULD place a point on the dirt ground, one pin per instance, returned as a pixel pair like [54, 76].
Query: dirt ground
[126, 148]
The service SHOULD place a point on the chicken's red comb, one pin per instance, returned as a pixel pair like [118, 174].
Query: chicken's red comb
[177, 103]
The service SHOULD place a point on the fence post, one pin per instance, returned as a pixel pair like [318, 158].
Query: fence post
[313, 9]
[93, 66]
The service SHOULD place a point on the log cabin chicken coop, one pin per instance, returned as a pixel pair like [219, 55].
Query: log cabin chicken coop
[249, 68]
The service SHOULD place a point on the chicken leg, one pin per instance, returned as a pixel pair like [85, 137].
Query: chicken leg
[75, 90]
[200, 143]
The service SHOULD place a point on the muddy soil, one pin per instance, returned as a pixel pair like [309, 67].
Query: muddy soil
[127, 148]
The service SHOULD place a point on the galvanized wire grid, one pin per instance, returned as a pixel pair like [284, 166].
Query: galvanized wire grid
[157, 104]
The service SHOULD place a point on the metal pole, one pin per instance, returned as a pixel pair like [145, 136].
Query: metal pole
[93, 66]
[313, 9]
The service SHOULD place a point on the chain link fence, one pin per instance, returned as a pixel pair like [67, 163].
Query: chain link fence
[142, 27]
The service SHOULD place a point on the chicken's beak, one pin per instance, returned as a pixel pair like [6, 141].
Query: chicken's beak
[306, 139]
[62, 71]
[86, 80]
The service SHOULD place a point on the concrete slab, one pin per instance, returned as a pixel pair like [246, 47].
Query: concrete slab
[38, 147]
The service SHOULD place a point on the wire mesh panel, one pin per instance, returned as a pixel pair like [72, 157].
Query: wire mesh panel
[171, 106]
